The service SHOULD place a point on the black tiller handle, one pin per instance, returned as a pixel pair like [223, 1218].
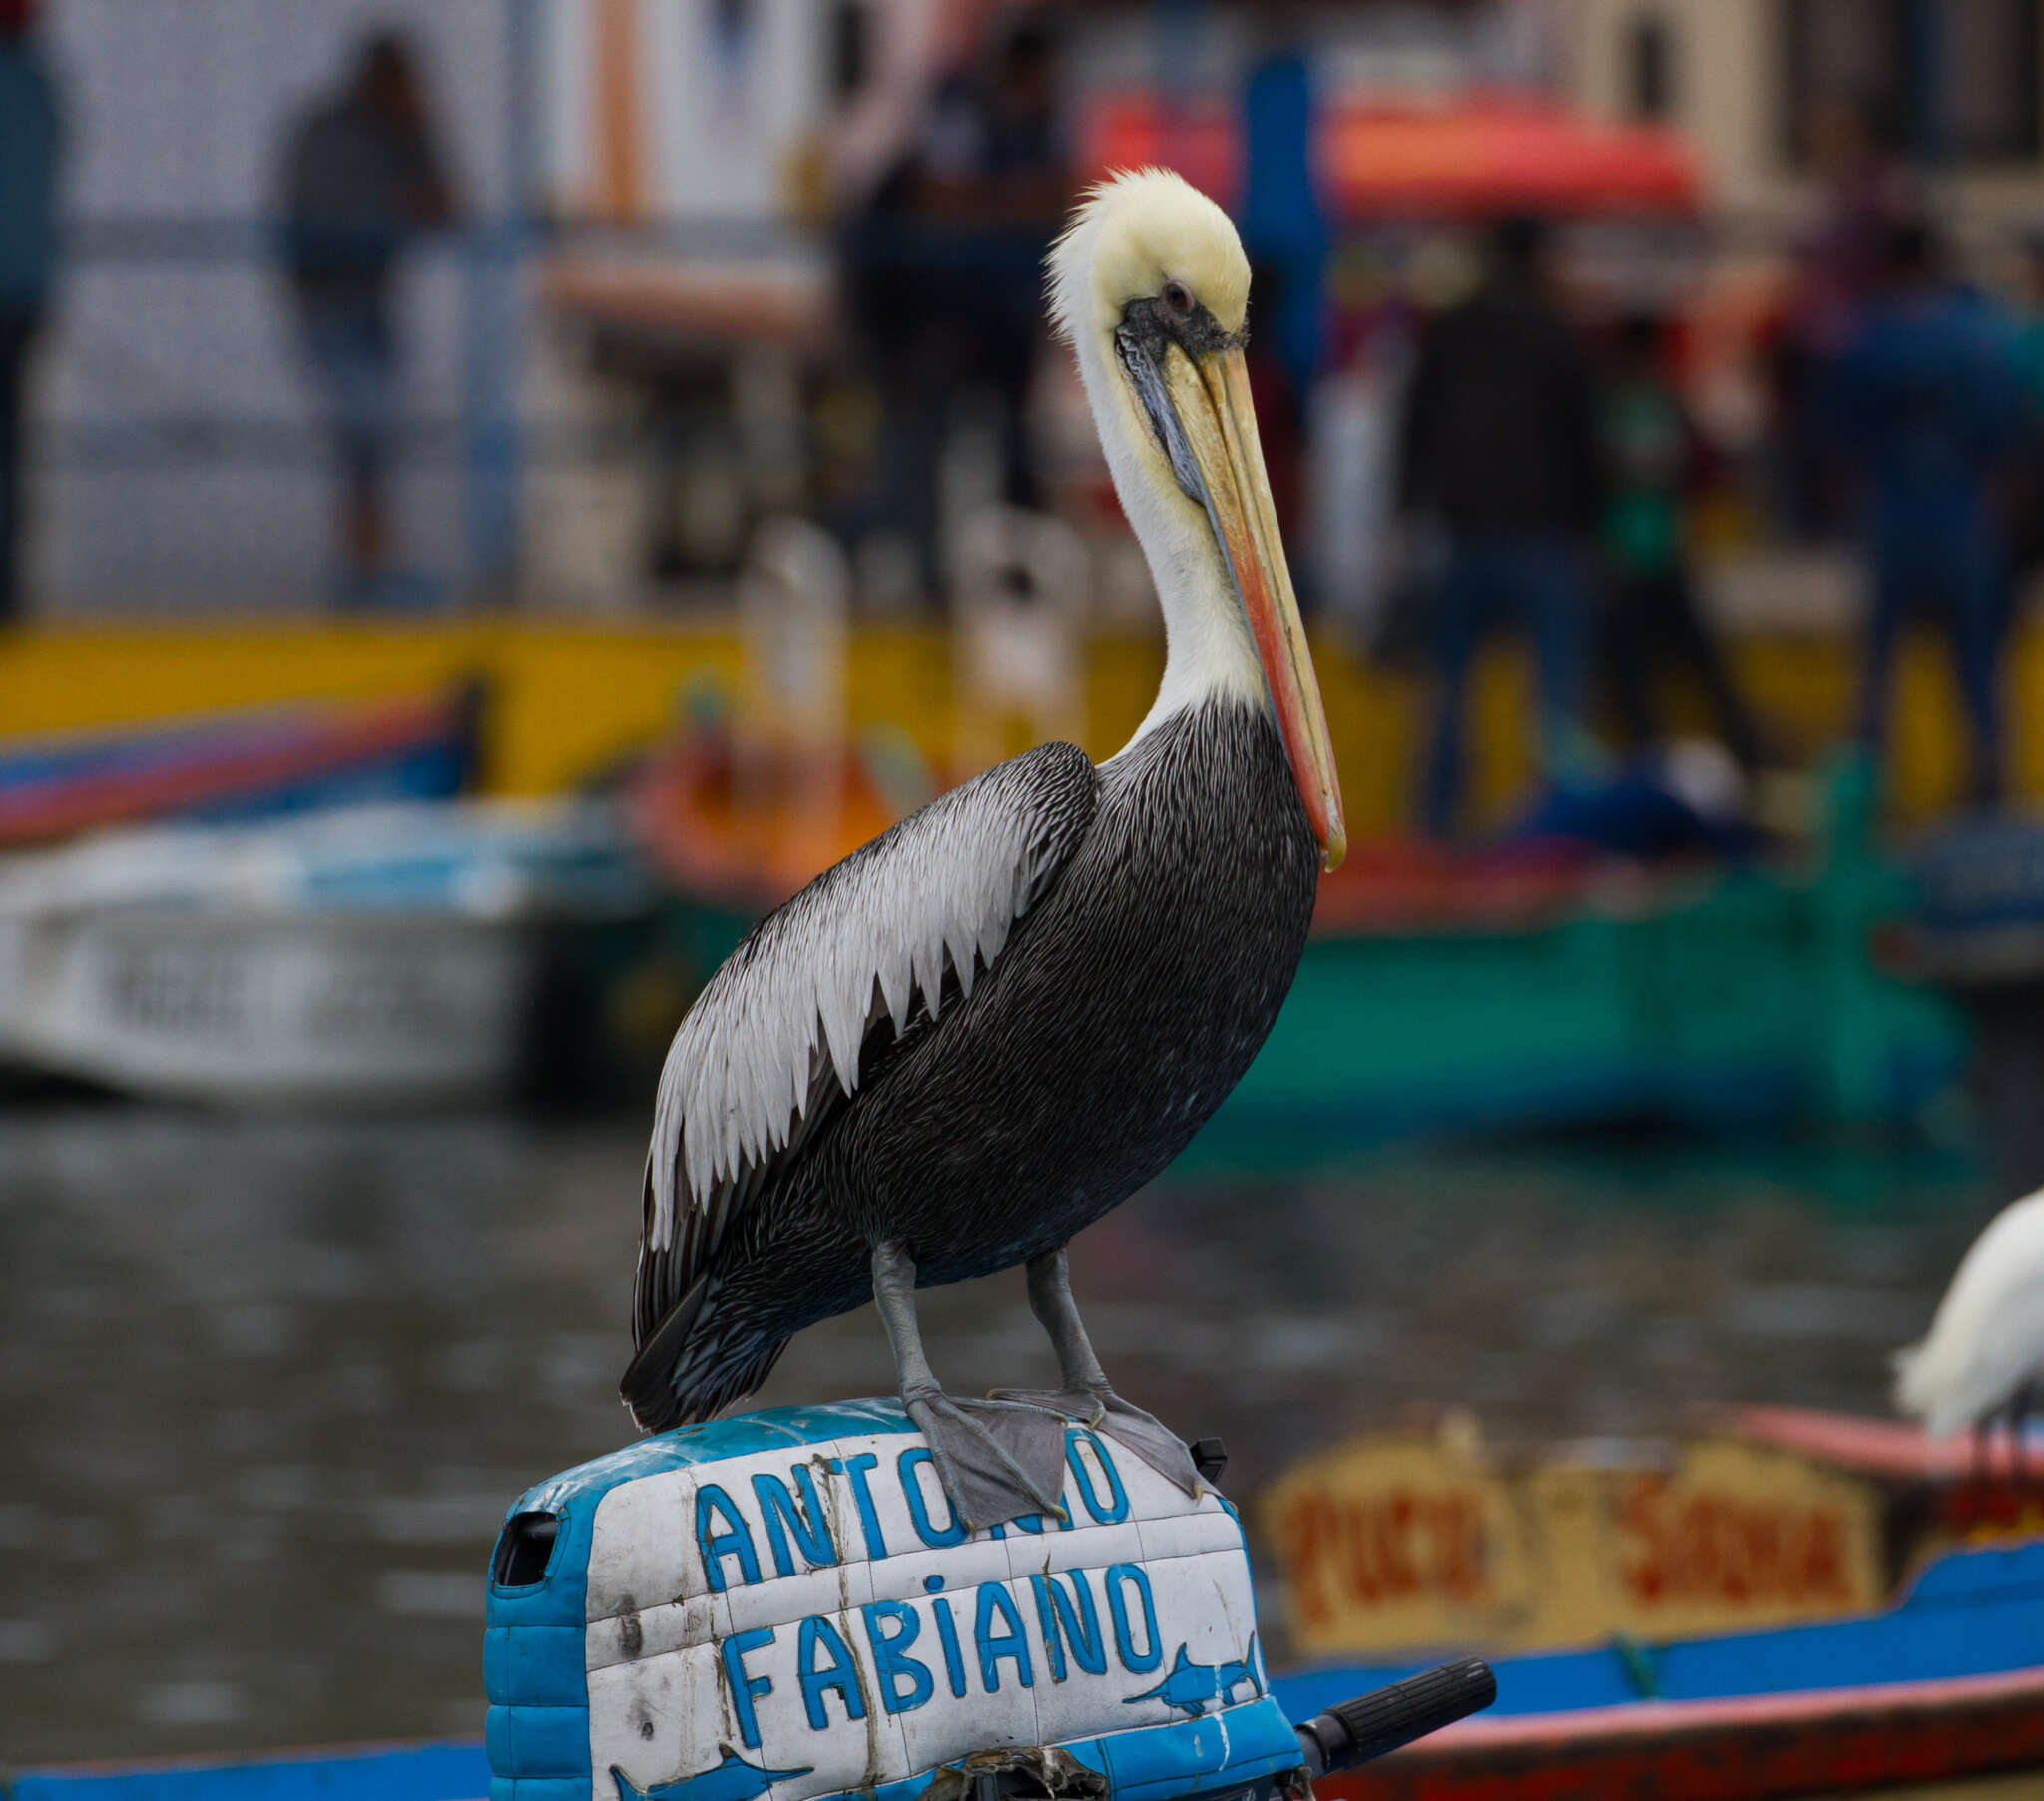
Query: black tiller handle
[1354, 1732]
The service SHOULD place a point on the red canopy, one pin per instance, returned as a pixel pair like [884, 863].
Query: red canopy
[1474, 154]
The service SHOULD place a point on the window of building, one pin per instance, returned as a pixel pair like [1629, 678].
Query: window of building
[1843, 57]
[1649, 67]
[1934, 79]
[1991, 78]
[849, 48]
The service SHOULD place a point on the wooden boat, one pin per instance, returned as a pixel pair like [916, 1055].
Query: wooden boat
[1940, 1695]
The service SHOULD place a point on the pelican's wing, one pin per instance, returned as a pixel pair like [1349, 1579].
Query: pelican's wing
[772, 1045]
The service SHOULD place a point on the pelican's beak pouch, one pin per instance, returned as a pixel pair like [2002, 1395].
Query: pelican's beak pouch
[781, 1604]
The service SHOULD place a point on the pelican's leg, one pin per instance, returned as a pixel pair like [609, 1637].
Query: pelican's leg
[996, 1460]
[2019, 1408]
[1086, 1394]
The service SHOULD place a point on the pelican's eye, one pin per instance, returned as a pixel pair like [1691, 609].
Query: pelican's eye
[1178, 297]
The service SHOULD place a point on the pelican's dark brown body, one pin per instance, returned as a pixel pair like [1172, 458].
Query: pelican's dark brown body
[1127, 1004]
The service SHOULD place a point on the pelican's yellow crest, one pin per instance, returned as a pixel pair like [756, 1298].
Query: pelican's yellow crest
[1132, 234]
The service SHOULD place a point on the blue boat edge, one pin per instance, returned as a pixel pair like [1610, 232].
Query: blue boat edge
[1972, 1612]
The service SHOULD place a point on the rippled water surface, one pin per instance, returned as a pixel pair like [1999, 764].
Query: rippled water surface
[266, 1387]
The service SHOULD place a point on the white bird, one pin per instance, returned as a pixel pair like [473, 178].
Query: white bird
[1984, 1355]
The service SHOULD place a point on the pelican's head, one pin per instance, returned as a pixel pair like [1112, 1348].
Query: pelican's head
[1150, 287]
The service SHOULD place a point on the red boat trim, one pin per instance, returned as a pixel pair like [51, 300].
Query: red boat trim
[203, 774]
[1889, 1448]
[1747, 1749]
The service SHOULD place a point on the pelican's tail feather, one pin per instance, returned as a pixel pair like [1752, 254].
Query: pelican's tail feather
[647, 1386]
[691, 1369]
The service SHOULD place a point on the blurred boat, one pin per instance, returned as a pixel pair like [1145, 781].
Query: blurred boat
[246, 764]
[378, 956]
[1935, 1493]
[1798, 1604]
[1940, 1695]
[1541, 981]
[1398, 1543]
[1541, 986]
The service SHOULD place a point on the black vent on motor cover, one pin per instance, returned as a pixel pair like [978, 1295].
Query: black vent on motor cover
[524, 1548]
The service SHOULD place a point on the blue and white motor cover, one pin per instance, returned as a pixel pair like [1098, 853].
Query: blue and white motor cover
[781, 1604]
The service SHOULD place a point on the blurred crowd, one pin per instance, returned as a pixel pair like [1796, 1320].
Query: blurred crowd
[1546, 470]
[1546, 460]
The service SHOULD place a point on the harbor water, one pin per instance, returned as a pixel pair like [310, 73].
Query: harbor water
[267, 1384]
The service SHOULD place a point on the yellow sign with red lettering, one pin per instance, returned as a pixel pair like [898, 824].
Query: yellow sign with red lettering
[1400, 1541]
[1410, 1542]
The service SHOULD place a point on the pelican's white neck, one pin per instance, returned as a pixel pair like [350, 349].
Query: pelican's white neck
[1209, 653]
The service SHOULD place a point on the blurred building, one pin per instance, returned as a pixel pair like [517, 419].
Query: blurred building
[1951, 86]
[684, 151]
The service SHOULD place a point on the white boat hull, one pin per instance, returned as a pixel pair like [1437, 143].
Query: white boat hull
[253, 1008]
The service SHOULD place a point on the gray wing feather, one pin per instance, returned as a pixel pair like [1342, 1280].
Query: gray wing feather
[774, 1039]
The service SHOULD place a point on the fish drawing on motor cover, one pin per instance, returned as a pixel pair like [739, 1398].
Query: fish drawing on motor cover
[732, 1779]
[1190, 1687]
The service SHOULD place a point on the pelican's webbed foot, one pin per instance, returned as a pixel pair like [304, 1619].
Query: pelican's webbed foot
[1086, 1395]
[1153, 1441]
[996, 1460]
[1107, 1413]
[1083, 1406]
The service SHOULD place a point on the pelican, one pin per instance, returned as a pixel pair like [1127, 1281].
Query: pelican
[1984, 1354]
[1002, 1016]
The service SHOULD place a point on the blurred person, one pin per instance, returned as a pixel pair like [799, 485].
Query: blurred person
[1280, 400]
[1285, 234]
[363, 180]
[1866, 194]
[1868, 197]
[2029, 325]
[1927, 406]
[31, 142]
[995, 179]
[1499, 449]
[944, 268]
[2023, 517]
[1648, 615]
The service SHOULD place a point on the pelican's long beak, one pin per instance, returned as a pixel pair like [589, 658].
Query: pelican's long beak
[1211, 397]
